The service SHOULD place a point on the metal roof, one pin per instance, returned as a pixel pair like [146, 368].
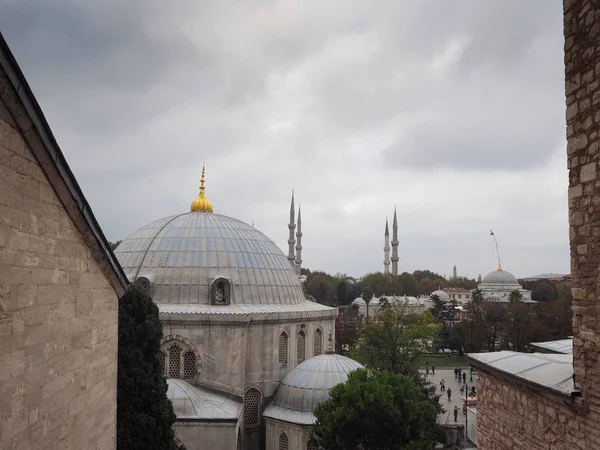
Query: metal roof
[500, 277]
[549, 372]
[304, 307]
[308, 385]
[181, 255]
[190, 402]
[564, 346]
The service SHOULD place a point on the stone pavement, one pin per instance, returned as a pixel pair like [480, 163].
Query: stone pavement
[448, 376]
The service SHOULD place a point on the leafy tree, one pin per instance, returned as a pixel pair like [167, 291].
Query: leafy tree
[319, 285]
[144, 413]
[420, 274]
[408, 284]
[114, 245]
[342, 292]
[542, 290]
[515, 296]
[375, 411]
[367, 296]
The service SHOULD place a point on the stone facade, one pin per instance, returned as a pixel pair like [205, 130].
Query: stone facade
[58, 307]
[206, 435]
[298, 436]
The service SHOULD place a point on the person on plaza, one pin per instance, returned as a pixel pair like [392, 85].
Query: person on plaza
[433, 370]
[462, 389]
[464, 377]
[449, 392]
[442, 386]
[459, 374]
[455, 413]
[455, 373]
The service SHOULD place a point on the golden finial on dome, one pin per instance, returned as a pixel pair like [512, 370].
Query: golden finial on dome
[202, 203]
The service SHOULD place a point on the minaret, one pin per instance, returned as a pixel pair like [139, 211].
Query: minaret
[395, 245]
[386, 250]
[454, 277]
[291, 240]
[299, 244]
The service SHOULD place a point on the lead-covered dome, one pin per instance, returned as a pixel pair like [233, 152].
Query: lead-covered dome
[442, 295]
[500, 277]
[205, 258]
[308, 385]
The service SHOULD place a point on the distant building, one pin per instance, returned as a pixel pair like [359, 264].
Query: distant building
[496, 286]
[553, 277]
[462, 296]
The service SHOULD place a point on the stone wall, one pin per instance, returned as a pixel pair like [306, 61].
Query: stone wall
[297, 435]
[582, 68]
[58, 316]
[510, 416]
[207, 435]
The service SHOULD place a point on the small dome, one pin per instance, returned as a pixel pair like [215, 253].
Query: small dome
[190, 402]
[441, 294]
[308, 385]
[500, 277]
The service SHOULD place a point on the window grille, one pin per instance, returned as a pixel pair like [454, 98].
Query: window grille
[283, 348]
[162, 357]
[251, 408]
[174, 361]
[318, 343]
[220, 294]
[189, 365]
[310, 445]
[300, 347]
[283, 442]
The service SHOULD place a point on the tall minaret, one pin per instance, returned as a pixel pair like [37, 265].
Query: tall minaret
[292, 227]
[454, 275]
[386, 250]
[299, 244]
[395, 244]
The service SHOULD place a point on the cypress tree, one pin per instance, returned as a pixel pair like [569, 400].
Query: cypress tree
[144, 413]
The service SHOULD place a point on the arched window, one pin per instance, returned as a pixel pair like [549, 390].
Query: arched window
[162, 357]
[300, 347]
[174, 361]
[251, 408]
[283, 442]
[283, 348]
[189, 365]
[310, 445]
[317, 342]
[220, 292]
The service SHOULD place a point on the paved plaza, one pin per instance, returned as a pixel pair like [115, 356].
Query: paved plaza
[448, 376]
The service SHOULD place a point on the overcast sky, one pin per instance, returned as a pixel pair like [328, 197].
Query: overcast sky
[453, 111]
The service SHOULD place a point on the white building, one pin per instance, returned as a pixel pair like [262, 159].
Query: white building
[496, 286]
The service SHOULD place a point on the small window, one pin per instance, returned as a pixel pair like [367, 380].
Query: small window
[189, 365]
[283, 348]
[162, 357]
[300, 347]
[174, 361]
[283, 442]
[251, 408]
[220, 292]
[310, 445]
[318, 343]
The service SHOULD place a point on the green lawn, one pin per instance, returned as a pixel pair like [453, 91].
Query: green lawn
[441, 361]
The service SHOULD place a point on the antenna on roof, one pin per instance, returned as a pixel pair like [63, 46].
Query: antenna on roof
[497, 252]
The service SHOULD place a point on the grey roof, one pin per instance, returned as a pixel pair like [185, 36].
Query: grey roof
[500, 277]
[193, 403]
[564, 346]
[181, 255]
[308, 385]
[441, 294]
[26, 115]
[549, 372]
[306, 306]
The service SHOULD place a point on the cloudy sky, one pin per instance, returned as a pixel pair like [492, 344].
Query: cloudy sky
[452, 111]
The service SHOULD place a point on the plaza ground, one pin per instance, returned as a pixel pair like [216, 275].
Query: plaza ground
[442, 361]
[448, 376]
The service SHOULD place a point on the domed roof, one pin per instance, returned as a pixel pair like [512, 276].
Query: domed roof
[190, 402]
[500, 277]
[308, 385]
[441, 294]
[182, 255]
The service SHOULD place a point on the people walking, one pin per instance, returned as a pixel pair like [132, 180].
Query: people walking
[449, 392]
[455, 373]
[464, 377]
[455, 413]
[433, 370]
[442, 386]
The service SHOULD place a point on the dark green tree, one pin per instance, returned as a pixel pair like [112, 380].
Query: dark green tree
[367, 296]
[144, 413]
[374, 411]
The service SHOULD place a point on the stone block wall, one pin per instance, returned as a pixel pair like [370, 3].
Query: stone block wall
[512, 417]
[582, 77]
[58, 316]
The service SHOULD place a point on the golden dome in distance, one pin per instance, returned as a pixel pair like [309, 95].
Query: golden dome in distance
[201, 203]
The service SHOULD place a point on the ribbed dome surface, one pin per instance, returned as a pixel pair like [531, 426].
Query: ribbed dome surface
[500, 277]
[190, 402]
[181, 256]
[309, 384]
[441, 294]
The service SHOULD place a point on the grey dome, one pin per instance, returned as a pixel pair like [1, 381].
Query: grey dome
[309, 384]
[182, 255]
[441, 294]
[500, 277]
[190, 402]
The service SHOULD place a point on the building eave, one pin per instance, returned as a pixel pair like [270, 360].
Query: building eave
[29, 119]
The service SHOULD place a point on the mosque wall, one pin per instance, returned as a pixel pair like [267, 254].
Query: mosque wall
[207, 435]
[298, 436]
[58, 314]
